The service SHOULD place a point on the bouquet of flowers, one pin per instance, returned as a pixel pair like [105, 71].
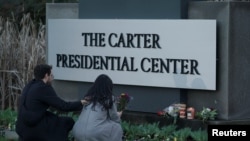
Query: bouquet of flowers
[122, 101]
[207, 114]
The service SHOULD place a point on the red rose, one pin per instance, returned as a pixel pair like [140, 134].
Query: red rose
[160, 113]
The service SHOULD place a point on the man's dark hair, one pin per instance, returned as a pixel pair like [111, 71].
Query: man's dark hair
[41, 70]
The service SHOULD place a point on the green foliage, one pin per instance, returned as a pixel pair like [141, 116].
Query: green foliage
[167, 132]
[207, 114]
[2, 139]
[152, 132]
[182, 134]
[199, 135]
[131, 131]
[8, 118]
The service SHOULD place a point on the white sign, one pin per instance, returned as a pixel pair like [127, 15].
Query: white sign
[158, 53]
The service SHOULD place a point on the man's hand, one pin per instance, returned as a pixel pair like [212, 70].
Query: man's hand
[84, 102]
[119, 113]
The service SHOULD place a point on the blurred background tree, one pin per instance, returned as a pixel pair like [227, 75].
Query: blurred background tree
[22, 45]
[15, 9]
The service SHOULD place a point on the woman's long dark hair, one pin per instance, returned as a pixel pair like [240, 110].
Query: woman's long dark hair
[102, 92]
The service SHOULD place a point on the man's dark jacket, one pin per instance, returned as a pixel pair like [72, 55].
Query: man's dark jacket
[35, 122]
